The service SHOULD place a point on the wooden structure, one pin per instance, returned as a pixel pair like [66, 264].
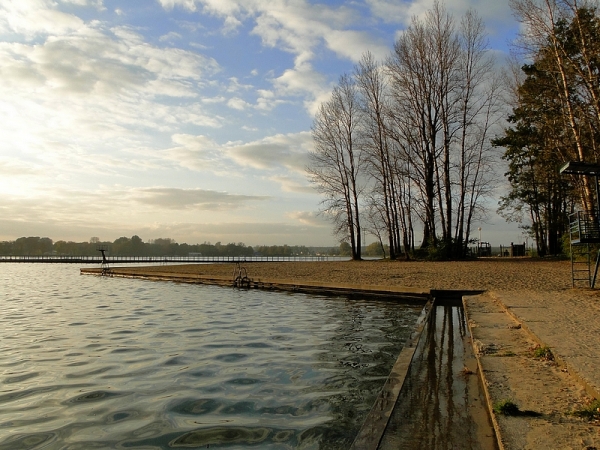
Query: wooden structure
[584, 229]
[105, 267]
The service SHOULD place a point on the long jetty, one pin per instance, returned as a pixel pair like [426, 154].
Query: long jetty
[68, 259]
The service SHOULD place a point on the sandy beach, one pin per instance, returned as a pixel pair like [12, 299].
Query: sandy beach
[525, 304]
[493, 274]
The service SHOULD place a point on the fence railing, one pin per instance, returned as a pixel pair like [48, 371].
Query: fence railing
[512, 250]
[584, 228]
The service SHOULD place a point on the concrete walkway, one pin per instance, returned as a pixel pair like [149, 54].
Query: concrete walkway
[568, 322]
[506, 328]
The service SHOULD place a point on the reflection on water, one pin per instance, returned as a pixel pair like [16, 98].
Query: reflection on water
[441, 404]
[89, 362]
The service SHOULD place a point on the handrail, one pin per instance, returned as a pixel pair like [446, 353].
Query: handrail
[583, 226]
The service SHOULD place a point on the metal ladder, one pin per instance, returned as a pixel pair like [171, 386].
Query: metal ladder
[581, 263]
[584, 230]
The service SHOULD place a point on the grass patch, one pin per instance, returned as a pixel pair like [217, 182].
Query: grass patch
[543, 353]
[507, 353]
[506, 407]
[590, 412]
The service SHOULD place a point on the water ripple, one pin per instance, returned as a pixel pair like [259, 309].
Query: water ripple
[205, 366]
[28, 441]
[221, 435]
[20, 378]
[95, 396]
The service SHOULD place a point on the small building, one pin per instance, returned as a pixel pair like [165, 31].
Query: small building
[517, 249]
[484, 249]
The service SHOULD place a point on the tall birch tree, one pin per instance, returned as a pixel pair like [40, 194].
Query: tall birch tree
[567, 34]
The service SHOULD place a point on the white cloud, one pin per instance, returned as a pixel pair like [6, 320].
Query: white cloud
[394, 11]
[97, 90]
[201, 153]
[236, 86]
[200, 199]
[219, 99]
[223, 8]
[310, 218]
[273, 152]
[98, 4]
[198, 153]
[298, 80]
[497, 15]
[267, 100]
[96, 61]
[307, 81]
[190, 5]
[353, 44]
[13, 167]
[297, 27]
[169, 37]
[296, 184]
[33, 18]
[237, 103]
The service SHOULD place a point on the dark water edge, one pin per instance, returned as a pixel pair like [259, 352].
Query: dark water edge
[441, 404]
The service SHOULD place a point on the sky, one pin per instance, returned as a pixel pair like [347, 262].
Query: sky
[185, 119]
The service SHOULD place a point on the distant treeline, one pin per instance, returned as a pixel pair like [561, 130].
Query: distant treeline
[134, 246]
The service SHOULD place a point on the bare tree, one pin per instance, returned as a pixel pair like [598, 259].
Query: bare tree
[372, 85]
[478, 113]
[421, 69]
[444, 96]
[405, 202]
[375, 216]
[336, 161]
[415, 131]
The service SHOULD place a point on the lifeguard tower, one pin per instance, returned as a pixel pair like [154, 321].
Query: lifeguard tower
[584, 228]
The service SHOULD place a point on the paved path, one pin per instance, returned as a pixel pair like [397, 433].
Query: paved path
[568, 322]
[545, 394]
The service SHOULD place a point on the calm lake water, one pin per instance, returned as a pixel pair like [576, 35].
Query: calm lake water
[90, 362]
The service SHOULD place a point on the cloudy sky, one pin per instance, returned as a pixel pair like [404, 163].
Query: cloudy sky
[187, 119]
